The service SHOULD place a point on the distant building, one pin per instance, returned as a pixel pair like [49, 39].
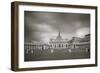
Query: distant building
[80, 43]
[35, 45]
[58, 43]
[85, 42]
[74, 42]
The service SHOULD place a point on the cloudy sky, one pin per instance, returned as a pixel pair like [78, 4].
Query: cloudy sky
[41, 26]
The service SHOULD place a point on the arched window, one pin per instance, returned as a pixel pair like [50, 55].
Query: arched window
[59, 45]
[62, 45]
[66, 45]
[74, 46]
[55, 45]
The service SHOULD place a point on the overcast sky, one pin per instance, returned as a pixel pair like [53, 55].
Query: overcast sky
[41, 26]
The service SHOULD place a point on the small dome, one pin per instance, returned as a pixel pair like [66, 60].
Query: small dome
[59, 36]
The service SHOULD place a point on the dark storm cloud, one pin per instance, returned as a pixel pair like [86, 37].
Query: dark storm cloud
[42, 25]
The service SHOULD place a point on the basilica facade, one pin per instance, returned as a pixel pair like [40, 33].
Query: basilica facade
[58, 43]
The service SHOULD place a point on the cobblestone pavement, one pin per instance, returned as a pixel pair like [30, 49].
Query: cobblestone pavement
[61, 54]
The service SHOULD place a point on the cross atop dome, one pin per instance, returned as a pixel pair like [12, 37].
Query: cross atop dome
[59, 36]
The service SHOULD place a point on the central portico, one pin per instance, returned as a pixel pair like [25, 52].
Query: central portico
[59, 42]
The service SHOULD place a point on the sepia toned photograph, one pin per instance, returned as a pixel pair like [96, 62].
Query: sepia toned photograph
[52, 36]
[56, 36]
